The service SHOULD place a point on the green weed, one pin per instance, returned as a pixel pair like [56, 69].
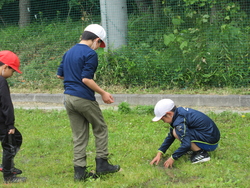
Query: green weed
[124, 107]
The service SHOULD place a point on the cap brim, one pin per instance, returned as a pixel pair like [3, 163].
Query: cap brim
[102, 45]
[156, 118]
[17, 70]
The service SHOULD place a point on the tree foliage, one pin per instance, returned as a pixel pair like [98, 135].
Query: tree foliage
[2, 2]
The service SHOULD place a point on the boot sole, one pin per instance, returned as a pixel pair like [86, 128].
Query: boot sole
[104, 173]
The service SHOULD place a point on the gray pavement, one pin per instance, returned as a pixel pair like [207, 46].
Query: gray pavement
[205, 102]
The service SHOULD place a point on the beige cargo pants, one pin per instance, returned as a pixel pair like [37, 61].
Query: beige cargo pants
[82, 113]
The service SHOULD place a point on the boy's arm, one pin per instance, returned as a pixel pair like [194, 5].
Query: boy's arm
[106, 97]
[6, 105]
[167, 142]
[60, 70]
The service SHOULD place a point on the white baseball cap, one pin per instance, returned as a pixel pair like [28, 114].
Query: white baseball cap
[162, 107]
[98, 31]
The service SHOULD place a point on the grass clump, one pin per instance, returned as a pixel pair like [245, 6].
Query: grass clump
[47, 152]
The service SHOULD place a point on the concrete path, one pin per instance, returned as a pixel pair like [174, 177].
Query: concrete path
[216, 103]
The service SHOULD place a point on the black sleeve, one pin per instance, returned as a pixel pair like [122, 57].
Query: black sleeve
[6, 107]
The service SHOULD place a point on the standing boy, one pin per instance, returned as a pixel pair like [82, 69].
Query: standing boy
[77, 70]
[195, 130]
[10, 137]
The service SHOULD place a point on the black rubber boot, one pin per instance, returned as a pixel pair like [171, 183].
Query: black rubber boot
[13, 170]
[103, 167]
[81, 174]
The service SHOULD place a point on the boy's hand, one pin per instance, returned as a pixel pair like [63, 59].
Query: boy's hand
[107, 98]
[60, 77]
[11, 131]
[169, 163]
[157, 159]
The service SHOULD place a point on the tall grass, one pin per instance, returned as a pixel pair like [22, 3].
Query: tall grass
[46, 154]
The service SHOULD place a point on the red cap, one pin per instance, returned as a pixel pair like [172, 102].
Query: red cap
[9, 58]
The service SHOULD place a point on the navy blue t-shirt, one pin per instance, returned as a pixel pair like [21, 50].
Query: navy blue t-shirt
[79, 62]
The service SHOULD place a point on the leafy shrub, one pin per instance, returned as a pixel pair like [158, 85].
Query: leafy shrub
[124, 108]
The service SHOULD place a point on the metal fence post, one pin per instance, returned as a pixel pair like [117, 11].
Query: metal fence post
[114, 20]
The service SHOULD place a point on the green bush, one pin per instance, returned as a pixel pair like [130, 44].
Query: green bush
[124, 108]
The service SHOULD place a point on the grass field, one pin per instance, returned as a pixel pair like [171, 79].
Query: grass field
[46, 154]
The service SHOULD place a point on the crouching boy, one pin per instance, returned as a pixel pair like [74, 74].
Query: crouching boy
[197, 133]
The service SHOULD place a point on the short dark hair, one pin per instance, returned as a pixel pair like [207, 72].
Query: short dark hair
[88, 36]
[173, 109]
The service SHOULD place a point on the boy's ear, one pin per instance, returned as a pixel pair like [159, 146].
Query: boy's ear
[170, 113]
[99, 40]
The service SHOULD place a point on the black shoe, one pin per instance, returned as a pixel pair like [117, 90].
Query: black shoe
[14, 170]
[200, 156]
[81, 174]
[14, 179]
[103, 167]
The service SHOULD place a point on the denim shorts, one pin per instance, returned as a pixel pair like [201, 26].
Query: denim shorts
[206, 147]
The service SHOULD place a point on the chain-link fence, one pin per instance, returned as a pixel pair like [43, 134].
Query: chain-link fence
[150, 43]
